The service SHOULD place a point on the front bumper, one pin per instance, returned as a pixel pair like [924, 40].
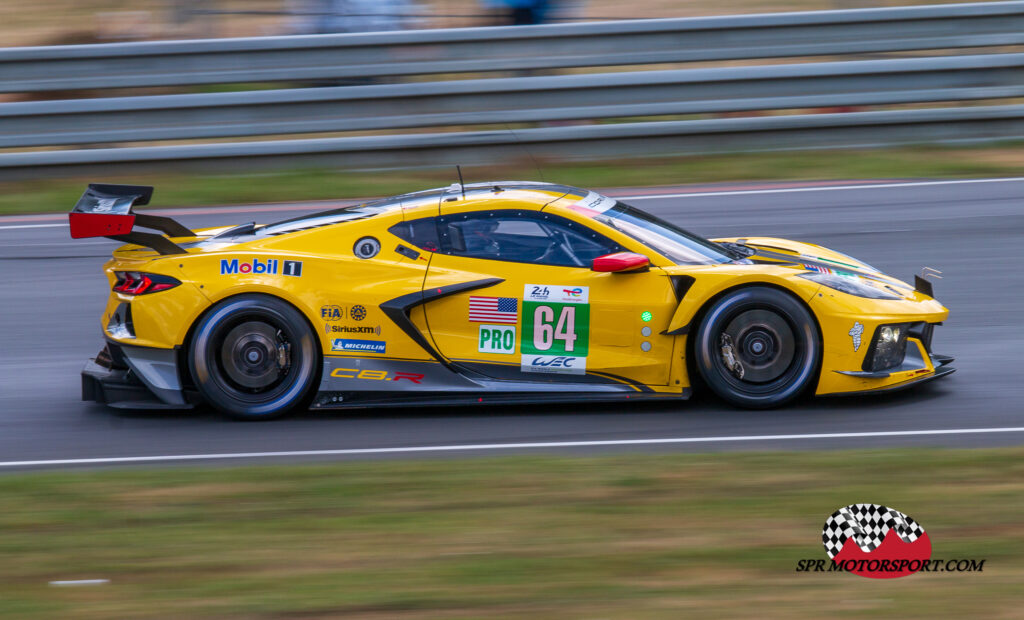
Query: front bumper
[133, 378]
[919, 366]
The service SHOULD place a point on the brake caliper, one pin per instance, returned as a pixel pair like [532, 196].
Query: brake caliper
[729, 356]
[284, 352]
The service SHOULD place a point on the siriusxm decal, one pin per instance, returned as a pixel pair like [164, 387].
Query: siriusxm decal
[554, 364]
[268, 266]
[364, 346]
[349, 329]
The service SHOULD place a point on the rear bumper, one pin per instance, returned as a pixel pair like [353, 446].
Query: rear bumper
[126, 379]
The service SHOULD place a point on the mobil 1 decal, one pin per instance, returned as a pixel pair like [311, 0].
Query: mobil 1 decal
[556, 329]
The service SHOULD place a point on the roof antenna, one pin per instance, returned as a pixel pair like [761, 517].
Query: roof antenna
[462, 185]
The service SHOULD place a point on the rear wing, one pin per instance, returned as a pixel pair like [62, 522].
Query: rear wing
[106, 211]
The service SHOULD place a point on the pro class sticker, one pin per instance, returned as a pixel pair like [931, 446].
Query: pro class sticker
[497, 339]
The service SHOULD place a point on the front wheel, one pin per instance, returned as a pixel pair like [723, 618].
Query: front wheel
[253, 357]
[758, 347]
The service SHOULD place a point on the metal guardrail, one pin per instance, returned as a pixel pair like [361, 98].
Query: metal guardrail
[484, 102]
[512, 100]
[855, 129]
[514, 48]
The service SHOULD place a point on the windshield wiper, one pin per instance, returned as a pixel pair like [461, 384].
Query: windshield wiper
[737, 250]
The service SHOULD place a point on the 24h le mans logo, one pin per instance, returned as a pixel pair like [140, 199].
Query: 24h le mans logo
[860, 537]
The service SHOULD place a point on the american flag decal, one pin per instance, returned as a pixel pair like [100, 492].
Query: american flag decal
[494, 310]
[818, 268]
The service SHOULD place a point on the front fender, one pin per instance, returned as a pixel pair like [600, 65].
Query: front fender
[711, 281]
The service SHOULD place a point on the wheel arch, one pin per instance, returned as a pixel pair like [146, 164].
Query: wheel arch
[183, 349]
[693, 375]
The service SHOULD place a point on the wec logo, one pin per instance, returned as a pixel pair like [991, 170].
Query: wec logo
[557, 362]
[554, 364]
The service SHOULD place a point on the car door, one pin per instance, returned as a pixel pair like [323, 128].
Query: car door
[537, 311]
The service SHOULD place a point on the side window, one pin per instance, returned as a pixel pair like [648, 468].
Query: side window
[421, 233]
[522, 237]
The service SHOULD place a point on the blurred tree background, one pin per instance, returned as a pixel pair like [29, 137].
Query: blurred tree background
[55, 22]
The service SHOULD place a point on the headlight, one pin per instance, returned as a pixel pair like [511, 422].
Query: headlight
[850, 285]
[888, 348]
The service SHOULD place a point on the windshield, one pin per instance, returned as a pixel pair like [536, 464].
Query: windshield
[676, 244]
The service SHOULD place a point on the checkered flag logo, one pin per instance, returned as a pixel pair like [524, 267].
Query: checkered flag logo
[866, 525]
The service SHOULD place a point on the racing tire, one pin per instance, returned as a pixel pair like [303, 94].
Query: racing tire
[758, 347]
[254, 357]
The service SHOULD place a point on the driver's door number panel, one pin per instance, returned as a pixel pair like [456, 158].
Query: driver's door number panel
[556, 329]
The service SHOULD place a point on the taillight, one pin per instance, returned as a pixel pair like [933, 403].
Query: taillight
[137, 283]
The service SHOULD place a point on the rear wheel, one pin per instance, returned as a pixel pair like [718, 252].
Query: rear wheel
[758, 347]
[253, 357]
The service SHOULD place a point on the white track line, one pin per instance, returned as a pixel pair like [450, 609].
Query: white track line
[65, 225]
[824, 188]
[501, 446]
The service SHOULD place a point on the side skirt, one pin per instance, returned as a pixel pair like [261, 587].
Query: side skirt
[357, 400]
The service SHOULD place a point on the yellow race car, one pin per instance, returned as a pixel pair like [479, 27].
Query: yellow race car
[506, 292]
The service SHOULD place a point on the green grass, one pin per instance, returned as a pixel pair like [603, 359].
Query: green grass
[640, 536]
[297, 185]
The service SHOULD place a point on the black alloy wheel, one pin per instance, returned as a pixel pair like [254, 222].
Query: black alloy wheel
[758, 347]
[254, 357]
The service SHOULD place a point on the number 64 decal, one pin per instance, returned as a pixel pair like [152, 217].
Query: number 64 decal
[546, 331]
[555, 328]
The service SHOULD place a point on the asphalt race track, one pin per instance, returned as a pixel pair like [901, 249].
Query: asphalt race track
[52, 294]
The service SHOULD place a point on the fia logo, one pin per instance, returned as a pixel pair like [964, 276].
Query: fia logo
[332, 313]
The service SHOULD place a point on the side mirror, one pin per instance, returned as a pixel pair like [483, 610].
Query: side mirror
[621, 262]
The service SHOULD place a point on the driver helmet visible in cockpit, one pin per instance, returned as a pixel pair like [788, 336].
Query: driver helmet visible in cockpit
[478, 236]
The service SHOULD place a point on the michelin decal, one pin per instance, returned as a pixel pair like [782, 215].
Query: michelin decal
[364, 346]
